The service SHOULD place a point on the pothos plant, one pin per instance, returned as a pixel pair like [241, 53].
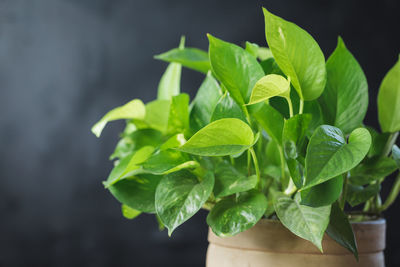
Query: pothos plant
[272, 133]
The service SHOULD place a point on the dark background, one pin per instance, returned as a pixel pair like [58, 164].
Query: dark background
[63, 64]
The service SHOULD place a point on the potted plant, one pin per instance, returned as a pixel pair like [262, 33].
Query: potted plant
[273, 145]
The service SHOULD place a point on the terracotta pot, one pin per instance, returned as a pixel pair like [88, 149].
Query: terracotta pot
[270, 244]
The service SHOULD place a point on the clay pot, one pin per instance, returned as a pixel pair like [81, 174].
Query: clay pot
[270, 244]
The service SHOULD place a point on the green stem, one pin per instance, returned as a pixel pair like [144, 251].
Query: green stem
[301, 107]
[344, 193]
[392, 195]
[282, 157]
[257, 168]
[290, 106]
[389, 144]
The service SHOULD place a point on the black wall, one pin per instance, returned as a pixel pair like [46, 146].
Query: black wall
[63, 64]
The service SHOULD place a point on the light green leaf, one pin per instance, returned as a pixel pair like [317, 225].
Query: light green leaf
[261, 53]
[304, 221]
[129, 213]
[170, 83]
[229, 181]
[137, 192]
[220, 138]
[340, 230]
[328, 155]
[358, 194]
[389, 100]
[128, 165]
[173, 142]
[204, 103]
[323, 194]
[192, 58]
[157, 114]
[269, 86]
[297, 54]
[396, 155]
[234, 215]
[236, 68]
[134, 109]
[271, 121]
[227, 108]
[178, 119]
[344, 101]
[180, 195]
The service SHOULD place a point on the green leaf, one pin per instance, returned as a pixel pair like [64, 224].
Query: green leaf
[389, 100]
[270, 66]
[269, 86]
[229, 181]
[178, 119]
[372, 170]
[170, 83]
[137, 192]
[204, 103]
[358, 194]
[304, 221]
[261, 53]
[220, 138]
[129, 213]
[396, 155]
[378, 142]
[328, 155]
[271, 121]
[173, 142]
[128, 164]
[227, 108]
[232, 215]
[313, 108]
[340, 230]
[236, 68]
[180, 195]
[297, 54]
[323, 194]
[189, 57]
[294, 134]
[134, 109]
[344, 101]
[157, 114]
[167, 161]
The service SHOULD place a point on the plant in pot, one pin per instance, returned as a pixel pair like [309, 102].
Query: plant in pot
[273, 145]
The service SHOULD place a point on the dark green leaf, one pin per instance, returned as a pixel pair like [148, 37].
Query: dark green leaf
[271, 121]
[359, 194]
[372, 170]
[323, 194]
[232, 215]
[294, 134]
[227, 108]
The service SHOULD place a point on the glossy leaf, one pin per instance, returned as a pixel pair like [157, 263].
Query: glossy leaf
[271, 121]
[173, 142]
[269, 86]
[180, 195]
[227, 108]
[328, 154]
[297, 54]
[170, 83]
[134, 109]
[357, 195]
[192, 58]
[344, 101]
[232, 215]
[389, 100]
[137, 192]
[129, 213]
[304, 221]
[229, 181]
[396, 155]
[220, 138]
[323, 194]
[237, 69]
[340, 230]
[204, 103]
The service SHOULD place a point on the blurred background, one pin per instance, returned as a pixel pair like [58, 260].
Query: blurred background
[64, 63]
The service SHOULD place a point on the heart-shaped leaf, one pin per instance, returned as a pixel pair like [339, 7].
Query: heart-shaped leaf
[340, 230]
[344, 101]
[297, 54]
[236, 68]
[328, 154]
[180, 195]
[134, 109]
[304, 221]
[227, 108]
[269, 86]
[234, 215]
[220, 138]
[323, 194]
[389, 100]
[229, 181]
[189, 57]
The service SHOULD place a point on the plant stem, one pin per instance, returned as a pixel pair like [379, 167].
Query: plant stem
[389, 144]
[344, 193]
[282, 157]
[392, 195]
[301, 107]
[257, 168]
[290, 106]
